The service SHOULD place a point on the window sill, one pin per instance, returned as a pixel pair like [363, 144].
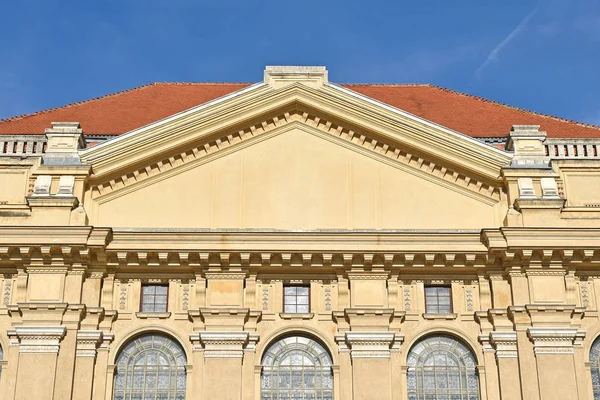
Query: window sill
[153, 315]
[296, 316]
[431, 316]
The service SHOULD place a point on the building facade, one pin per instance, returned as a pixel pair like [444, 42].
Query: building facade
[298, 239]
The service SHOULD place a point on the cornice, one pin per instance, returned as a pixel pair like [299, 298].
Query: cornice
[70, 249]
[44, 235]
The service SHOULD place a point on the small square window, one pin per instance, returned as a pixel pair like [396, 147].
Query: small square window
[154, 298]
[438, 300]
[296, 300]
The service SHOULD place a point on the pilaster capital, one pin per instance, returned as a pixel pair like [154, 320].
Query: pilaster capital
[224, 344]
[39, 339]
[486, 344]
[505, 344]
[553, 340]
[378, 344]
[87, 343]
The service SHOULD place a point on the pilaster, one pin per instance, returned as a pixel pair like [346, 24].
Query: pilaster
[505, 344]
[85, 358]
[370, 342]
[223, 355]
[370, 354]
[38, 356]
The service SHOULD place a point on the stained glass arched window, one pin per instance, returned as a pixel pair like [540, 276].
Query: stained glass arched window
[296, 367]
[441, 368]
[594, 356]
[151, 366]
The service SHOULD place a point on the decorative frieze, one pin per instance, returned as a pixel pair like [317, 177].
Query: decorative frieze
[39, 339]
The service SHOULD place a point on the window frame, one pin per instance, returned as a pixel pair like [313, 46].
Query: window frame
[304, 285]
[126, 366]
[442, 343]
[295, 342]
[154, 303]
[451, 300]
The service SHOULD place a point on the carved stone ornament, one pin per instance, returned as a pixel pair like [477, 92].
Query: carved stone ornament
[6, 293]
[406, 295]
[185, 297]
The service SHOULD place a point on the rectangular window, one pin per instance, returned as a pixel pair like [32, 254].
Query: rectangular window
[296, 299]
[438, 300]
[154, 298]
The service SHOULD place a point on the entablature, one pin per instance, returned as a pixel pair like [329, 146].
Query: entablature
[270, 251]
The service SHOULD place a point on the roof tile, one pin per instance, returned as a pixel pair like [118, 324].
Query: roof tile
[124, 111]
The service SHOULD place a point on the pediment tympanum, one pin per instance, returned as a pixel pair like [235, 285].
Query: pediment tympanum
[295, 156]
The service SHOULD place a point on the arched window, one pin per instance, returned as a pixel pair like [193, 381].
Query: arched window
[441, 367]
[151, 366]
[296, 367]
[1, 359]
[594, 356]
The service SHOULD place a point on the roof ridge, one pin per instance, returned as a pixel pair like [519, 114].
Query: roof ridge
[497, 103]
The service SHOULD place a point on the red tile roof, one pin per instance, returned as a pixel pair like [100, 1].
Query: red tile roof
[121, 112]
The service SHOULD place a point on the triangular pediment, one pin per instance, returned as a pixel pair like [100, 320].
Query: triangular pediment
[325, 112]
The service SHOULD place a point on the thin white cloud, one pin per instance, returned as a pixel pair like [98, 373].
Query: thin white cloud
[493, 56]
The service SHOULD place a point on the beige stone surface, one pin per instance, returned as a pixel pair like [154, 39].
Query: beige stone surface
[298, 182]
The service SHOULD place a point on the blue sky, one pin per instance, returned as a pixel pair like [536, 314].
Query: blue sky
[539, 55]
